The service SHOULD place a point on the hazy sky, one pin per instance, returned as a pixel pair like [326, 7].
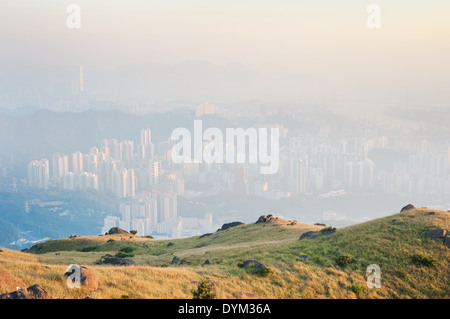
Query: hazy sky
[325, 39]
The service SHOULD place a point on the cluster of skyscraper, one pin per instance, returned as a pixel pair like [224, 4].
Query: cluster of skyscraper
[313, 165]
[148, 182]
[118, 169]
[114, 167]
[38, 174]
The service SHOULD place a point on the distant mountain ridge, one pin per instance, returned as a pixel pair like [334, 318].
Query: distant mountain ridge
[193, 80]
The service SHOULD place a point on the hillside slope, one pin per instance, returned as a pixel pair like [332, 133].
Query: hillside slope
[413, 265]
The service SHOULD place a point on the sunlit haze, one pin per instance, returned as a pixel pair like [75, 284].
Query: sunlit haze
[327, 41]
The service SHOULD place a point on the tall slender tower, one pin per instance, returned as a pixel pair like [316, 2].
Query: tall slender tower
[81, 79]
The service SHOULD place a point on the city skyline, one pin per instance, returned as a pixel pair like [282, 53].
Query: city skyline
[327, 165]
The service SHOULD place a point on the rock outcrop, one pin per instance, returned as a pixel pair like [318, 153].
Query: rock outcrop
[407, 207]
[304, 257]
[328, 231]
[184, 262]
[317, 234]
[9, 282]
[435, 233]
[264, 219]
[88, 278]
[447, 242]
[310, 235]
[32, 292]
[117, 230]
[119, 261]
[252, 264]
[229, 225]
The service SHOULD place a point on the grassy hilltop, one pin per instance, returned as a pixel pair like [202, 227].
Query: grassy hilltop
[333, 265]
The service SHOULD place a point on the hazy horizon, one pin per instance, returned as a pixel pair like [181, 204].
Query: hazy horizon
[407, 58]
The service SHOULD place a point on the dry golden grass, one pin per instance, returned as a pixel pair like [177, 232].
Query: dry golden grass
[274, 244]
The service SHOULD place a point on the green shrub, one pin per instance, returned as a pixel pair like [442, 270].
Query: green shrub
[133, 232]
[424, 260]
[88, 249]
[319, 260]
[121, 254]
[263, 271]
[127, 250]
[110, 240]
[329, 228]
[357, 288]
[344, 259]
[204, 290]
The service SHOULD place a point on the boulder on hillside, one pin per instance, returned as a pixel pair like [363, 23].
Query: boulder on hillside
[170, 244]
[310, 235]
[407, 207]
[9, 282]
[397, 222]
[207, 262]
[328, 231]
[205, 235]
[32, 292]
[119, 261]
[264, 219]
[435, 233]
[304, 257]
[447, 241]
[174, 260]
[252, 264]
[184, 262]
[88, 279]
[117, 230]
[229, 225]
